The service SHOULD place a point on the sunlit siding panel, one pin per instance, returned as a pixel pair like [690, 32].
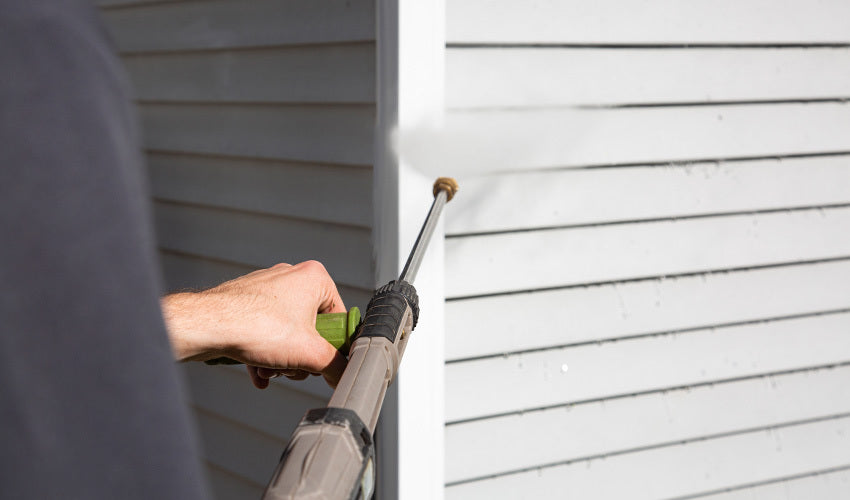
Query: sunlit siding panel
[646, 265]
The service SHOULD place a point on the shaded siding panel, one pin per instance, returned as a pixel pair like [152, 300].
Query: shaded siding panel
[258, 121]
[226, 484]
[118, 4]
[241, 450]
[239, 24]
[245, 430]
[648, 22]
[679, 470]
[327, 134]
[274, 411]
[270, 187]
[343, 73]
[186, 271]
[263, 241]
[192, 272]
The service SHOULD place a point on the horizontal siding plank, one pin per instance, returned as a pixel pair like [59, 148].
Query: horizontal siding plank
[227, 486]
[128, 3]
[190, 272]
[680, 470]
[521, 382]
[536, 77]
[570, 197]
[328, 193]
[323, 134]
[608, 312]
[599, 429]
[245, 23]
[311, 74]
[651, 21]
[512, 140]
[235, 448]
[187, 272]
[227, 391]
[263, 241]
[554, 258]
[816, 486]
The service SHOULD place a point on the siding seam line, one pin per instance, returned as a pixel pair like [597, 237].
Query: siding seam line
[212, 413]
[216, 260]
[766, 482]
[246, 211]
[128, 54]
[744, 102]
[134, 5]
[674, 162]
[650, 105]
[248, 267]
[659, 46]
[257, 159]
[254, 104]
[210, 463]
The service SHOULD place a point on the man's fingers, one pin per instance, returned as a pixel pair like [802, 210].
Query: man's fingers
[323, 358]
[292, 374]
[296, 374]
[333, 371]
[258, 381]
[268, 373]
[332, 302]
[319, 357]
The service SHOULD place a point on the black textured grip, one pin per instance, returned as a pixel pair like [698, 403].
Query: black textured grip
[386, 310]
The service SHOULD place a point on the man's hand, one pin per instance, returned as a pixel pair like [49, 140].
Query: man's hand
[265, 319]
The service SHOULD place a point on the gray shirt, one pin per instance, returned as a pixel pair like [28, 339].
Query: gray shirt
[91, 405]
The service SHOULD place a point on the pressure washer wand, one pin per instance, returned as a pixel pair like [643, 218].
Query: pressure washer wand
[331, 454]
[444, 190]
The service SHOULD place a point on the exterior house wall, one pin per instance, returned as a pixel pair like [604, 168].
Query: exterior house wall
[646, 268]
[259, 122]
[647, 265]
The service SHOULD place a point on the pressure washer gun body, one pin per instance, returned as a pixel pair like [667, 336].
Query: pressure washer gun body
[331, 454]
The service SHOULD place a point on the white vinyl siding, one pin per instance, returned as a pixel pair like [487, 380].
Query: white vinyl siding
[660, 23]
[258, 122]
[647, 265]
[614, 76]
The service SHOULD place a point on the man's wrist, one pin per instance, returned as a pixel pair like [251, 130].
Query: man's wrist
[192, 324]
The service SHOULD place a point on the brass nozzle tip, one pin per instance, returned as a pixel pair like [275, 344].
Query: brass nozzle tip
[446, 184]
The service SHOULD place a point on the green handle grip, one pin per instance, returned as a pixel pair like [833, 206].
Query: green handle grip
[336, 328]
